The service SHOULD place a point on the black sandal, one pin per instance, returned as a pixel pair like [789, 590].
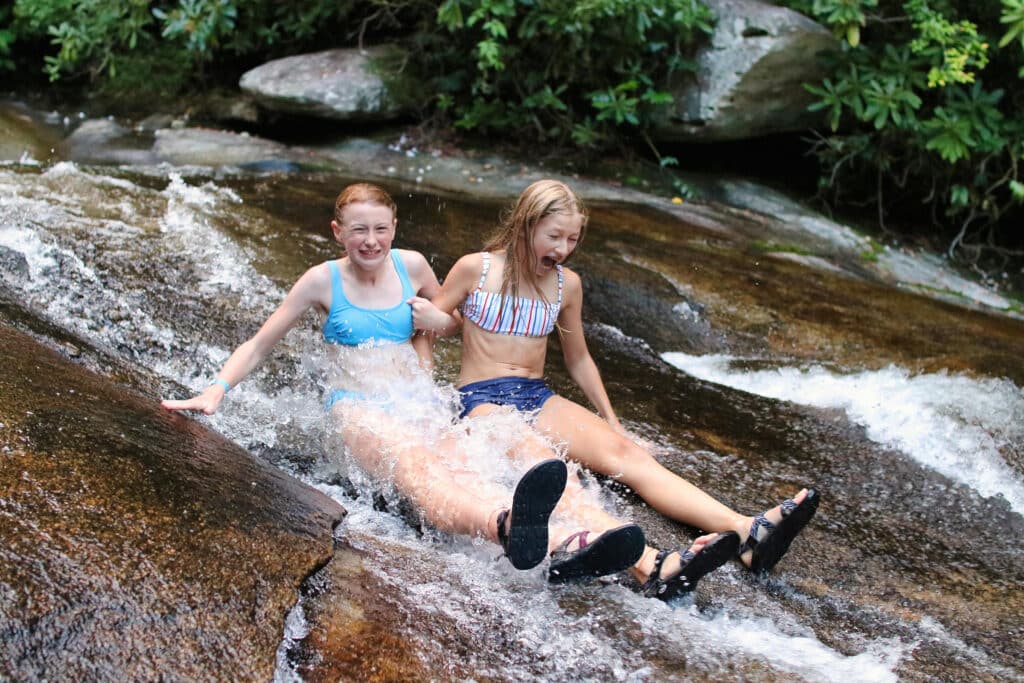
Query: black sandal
[612, 552]
[693, 567]
[769, 542]
[526, 539]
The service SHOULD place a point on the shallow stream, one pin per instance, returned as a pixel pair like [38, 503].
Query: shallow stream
[749, 374]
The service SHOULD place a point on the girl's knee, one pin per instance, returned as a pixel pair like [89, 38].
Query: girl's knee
[634, 462]
[632, 453]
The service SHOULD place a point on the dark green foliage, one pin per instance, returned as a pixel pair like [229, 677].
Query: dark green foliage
[92, 37]
[548, 70]
[6, 40]
[922, 103]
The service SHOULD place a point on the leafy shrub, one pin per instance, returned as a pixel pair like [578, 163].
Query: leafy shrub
[91, 37]
[557, 71]
[923, 102]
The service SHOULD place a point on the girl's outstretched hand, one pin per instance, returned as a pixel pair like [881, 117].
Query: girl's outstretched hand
[427, 316]
[207, 402]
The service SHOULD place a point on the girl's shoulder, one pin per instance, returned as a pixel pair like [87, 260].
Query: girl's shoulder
[411, 259]
[465, 274]
[416, 265]
[469, 263]
[315, 285]
[571, 282]
[321, 272]
[570, 275]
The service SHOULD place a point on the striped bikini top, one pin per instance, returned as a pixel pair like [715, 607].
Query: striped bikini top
[517, 316]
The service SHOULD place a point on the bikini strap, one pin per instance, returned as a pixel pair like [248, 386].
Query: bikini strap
[337, 289]
[483, 273]
[558, 267]
[403, 275]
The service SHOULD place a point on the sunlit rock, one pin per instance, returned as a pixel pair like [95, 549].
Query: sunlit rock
[207, 147]
[137, 544]
[341, 84]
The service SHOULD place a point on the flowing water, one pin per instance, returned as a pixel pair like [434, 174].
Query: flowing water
[911, 570]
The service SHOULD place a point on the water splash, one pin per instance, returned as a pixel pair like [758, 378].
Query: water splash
[462, 581]
[954, 424]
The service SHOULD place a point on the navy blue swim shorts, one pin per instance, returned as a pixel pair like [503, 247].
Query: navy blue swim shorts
[521, 393]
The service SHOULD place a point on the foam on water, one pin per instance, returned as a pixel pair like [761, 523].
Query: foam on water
[67, 221]
[952, 423]
[805, 655]
[187, 221]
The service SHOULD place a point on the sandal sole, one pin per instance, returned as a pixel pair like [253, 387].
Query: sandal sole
[613, 551]
[536, 496]
[768, 552]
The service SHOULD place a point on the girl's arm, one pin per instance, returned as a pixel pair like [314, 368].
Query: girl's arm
[247, 356]
[425, 282]
[423, 344]
[438, 314]
[578, 360]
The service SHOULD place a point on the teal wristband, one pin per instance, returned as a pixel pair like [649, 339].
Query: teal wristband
[227, 387]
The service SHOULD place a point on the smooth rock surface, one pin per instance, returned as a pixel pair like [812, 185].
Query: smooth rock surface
[136, 544]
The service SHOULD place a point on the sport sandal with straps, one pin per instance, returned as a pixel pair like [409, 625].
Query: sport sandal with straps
[692, 567]
[523, 529]
[611, 552]
[769, 542]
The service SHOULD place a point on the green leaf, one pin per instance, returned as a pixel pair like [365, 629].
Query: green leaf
[959, 195]
[1017, 190]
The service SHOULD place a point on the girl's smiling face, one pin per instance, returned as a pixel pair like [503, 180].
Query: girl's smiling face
[366, 231]
[554, 238]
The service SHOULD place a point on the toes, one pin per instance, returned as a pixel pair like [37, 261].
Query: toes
[701, 541]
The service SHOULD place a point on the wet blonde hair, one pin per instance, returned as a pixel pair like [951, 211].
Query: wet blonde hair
[515, 234]
[363, 192]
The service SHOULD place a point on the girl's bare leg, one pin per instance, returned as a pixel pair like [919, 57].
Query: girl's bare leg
[422, 476]
[577, 510]
[596, 445]
[593, 443]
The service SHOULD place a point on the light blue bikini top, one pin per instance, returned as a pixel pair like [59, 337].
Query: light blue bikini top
[352, 325]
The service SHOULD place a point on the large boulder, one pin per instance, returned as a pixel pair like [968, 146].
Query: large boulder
[136, 544]
[346, 84]
[749, 78]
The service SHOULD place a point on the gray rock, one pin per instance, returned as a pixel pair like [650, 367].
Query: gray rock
[749, 79]
[104, 141]
[13, 265]
[206, 147]
[341, 84]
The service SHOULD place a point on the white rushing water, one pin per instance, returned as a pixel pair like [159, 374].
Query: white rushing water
[954, 424]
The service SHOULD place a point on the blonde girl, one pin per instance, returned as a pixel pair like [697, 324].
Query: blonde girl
[511, 297]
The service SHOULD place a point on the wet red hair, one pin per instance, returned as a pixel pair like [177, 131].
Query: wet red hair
[363, 192]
